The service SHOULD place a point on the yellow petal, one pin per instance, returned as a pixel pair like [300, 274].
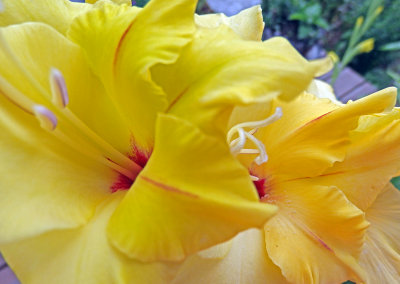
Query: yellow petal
[245, 262]
[313, 146]
[122, 43]
[226, 71]
[38, 48]
[322, 90]
[81, 255]
[45, 185]
[381, 252]
[191, 195]
[56, 13]
[317, 234]
[371, 160]
[248, 24]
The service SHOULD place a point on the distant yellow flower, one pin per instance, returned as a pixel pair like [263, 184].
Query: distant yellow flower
[359, 22]
[365, 46]
[325, 165]
[333, 56]
[131, 167]
[379, 10]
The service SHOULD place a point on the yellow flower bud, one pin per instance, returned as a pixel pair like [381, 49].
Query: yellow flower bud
[366, 45]
[333, 56]
[359, 22]
[378, 10]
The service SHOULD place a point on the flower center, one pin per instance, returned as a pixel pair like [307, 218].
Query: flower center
[237, 145]
[84, 140]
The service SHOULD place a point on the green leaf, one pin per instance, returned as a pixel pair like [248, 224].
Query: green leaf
[391, 46]
[395, 76]
[320, 22]
[298, 16]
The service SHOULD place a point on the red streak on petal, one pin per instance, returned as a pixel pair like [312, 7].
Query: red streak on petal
[168, 187]
[317, 118]
[120, 44]
[317, 238]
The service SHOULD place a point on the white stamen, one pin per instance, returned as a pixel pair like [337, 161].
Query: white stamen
[58, 88]
[249, 151]
[262, 157]
[237, 145]
[46, 117]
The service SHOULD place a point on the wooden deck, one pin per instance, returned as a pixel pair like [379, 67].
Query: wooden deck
[348, 86]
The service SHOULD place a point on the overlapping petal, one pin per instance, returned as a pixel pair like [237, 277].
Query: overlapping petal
[58, 14]
[314, 143]
[317, 235]
[191, 195]
[228, 71]
[123, 43]
[45, 185]
[372, 158]
[85, 91]
[81, 255]
[381, 252]
[241, 260]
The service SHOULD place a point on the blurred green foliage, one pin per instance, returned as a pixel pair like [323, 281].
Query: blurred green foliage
[329, 24]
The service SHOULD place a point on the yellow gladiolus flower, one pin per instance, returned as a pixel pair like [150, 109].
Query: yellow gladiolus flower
[115, 163]
[327, 167]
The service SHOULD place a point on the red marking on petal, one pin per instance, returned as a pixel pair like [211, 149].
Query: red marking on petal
[116, 54]
[122, 183]
[260, 186]
[318, 118]
[168, 187]
[139, 157]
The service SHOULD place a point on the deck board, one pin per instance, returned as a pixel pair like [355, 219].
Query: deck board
[349, 85]
[2, 261]
[8, 277]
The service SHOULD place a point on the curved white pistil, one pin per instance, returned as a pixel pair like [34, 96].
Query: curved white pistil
[237, 145]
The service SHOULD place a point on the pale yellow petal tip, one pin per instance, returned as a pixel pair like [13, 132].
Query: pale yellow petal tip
[322, 65]
[248, 24]
[323, 90]
[387, 96]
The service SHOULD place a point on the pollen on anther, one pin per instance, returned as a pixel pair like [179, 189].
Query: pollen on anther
[58, 88]
[46, 117]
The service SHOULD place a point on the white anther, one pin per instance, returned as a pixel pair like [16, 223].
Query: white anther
[58, 88]
[46, 117]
